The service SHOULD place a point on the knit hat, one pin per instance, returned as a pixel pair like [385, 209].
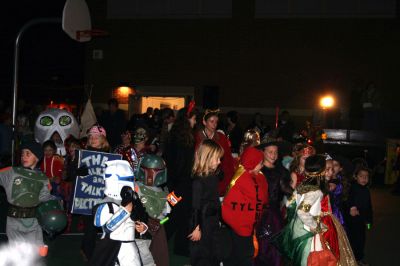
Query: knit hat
[251, 157]
[34, 147]
[97, 130]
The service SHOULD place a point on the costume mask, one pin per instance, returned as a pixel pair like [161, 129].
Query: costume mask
[54, 121]
[118, 174]
[152, 171]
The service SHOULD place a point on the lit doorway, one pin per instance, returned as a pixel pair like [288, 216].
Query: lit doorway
[175, 103]
[159, 97]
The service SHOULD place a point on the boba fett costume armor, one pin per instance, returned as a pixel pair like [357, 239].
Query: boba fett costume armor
[151, 175]
[25, 190]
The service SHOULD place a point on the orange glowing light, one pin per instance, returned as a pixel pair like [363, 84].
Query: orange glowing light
[327, 102]
[62, 106]
[122, 93]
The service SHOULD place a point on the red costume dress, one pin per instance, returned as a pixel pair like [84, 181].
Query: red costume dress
[227, 163]
[300, 178]
[330, 235]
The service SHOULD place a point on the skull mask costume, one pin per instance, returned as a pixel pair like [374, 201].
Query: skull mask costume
[56, 121]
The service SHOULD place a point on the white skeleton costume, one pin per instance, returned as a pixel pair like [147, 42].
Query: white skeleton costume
[118, 246]
[54, 121]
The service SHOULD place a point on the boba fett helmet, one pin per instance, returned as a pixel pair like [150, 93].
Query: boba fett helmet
[152, 170]
[51, 217]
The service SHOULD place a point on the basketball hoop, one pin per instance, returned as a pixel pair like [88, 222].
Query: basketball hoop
[86, 35]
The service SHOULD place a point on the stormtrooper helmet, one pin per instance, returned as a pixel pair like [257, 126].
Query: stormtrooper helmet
[56, 124]
[118, 174]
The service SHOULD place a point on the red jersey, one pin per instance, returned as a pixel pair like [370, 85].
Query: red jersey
[53, 167]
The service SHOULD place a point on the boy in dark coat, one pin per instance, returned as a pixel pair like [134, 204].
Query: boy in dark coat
[359, 213]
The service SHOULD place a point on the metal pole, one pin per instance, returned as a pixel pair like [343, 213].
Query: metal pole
[28, 25]
[276, 116]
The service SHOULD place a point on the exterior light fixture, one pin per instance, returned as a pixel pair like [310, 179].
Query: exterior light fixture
[122, 92]
[327, 102]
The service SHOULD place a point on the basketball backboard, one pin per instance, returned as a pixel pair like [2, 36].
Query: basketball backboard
[76, 20]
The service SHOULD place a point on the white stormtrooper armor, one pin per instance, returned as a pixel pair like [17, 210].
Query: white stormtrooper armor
[113, 218]
[117, 175]
[56, 120]
[120, 227]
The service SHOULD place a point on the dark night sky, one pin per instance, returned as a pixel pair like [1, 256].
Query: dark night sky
[50, 61]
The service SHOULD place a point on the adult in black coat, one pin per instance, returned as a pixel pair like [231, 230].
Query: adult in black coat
[179, 157]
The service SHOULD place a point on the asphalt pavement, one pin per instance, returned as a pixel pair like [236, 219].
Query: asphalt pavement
[382, 247]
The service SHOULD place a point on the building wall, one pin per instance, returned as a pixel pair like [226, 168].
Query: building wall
[255, 63]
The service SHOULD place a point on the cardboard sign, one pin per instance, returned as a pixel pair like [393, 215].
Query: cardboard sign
[89, 190]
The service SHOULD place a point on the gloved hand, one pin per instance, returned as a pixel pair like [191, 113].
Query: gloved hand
[140, 213]
[127, 195]
[82, 171]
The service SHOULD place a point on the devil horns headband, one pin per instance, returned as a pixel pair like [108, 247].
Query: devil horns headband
[190, 108]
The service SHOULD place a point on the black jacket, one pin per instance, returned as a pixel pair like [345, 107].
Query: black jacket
[360, 197]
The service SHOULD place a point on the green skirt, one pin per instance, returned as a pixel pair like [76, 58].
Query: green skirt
[293, 242]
